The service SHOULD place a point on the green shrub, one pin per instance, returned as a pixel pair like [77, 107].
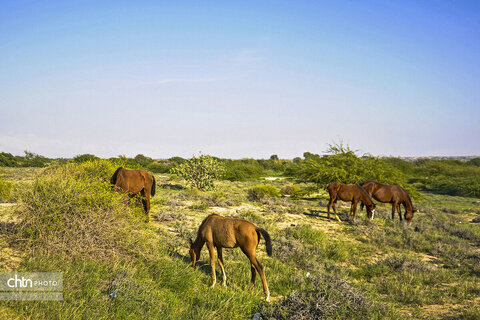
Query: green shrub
[34, 160]
[72, 211]
[199, 206]
[8, 160]
[84, 158]
[241, 170]
[159, 167]
[143, 160]
[290, 190]
[261, 191]
[450, 177]
[199, 172]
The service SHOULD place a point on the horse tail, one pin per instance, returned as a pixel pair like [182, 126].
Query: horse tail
[113, 179]
[152, 192]
[268, 240]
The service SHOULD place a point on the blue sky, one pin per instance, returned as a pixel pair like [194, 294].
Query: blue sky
[239, 78]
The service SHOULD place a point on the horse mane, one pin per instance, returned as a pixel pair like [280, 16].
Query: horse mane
[408, 196]
[205, 221]
[113, 179]
[366, 193]
[362, 183]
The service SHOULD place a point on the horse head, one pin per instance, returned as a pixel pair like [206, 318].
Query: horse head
[194, 253]
[409, 215]
[371, 210]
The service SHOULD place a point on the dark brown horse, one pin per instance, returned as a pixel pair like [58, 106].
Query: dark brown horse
[391, 193]
[221, 232]
[135, 182]
[349, 192]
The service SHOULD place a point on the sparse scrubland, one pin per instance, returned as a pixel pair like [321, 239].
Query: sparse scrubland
[65, 217]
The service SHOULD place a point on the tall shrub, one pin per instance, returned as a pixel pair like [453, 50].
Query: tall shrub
[199, 172]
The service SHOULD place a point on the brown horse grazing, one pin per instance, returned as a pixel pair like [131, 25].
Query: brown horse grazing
[135, 182]
[349, 192]
[391, 193]
[221, 232]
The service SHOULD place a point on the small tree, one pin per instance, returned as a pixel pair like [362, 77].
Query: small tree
[199, 172]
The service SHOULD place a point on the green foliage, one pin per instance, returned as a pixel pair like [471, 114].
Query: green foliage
[343, 165]
[143, 160]
[34, 160]
[199, 172]
[30, 159]
[261, 191]
[160, 167]
[8, 160]
[448, 177]
[241, 170]
[290, 190]
[71, 210]
[84, 158]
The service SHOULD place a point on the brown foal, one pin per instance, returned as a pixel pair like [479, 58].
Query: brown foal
[221, 232]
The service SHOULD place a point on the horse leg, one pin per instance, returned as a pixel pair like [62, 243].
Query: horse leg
[334, 206]
[254, 276]
[211, 251]
[220, 263]
[330, 202]
[399, 210]
[258, 266]
[354, 206]
[394, 205]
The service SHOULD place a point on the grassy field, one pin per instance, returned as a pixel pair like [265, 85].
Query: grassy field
[380, 269]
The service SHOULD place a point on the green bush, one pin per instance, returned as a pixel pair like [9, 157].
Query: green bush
[8, 160]
[241, 170]
[72, 211]
[261, 191]
[450, 177]
[143, 160]
[159, 167]
[34, 160]
[84, 158]
[199, 172]
[289, 190]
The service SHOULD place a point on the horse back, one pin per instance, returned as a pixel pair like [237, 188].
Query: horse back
[134, 180]
[228, 232]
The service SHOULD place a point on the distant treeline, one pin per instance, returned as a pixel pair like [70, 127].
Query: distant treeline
[451, 177]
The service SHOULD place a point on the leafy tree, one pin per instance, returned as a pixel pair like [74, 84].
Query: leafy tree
[342, 164]
[143, 160]
[199, 172]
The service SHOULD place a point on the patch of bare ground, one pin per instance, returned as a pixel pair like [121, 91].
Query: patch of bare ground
[441, 311]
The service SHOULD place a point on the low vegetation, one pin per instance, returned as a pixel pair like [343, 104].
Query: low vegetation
[66, 218]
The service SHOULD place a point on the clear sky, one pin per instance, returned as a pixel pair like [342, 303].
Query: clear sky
[239, 78]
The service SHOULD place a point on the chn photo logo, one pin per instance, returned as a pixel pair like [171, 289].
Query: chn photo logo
[16, 282]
